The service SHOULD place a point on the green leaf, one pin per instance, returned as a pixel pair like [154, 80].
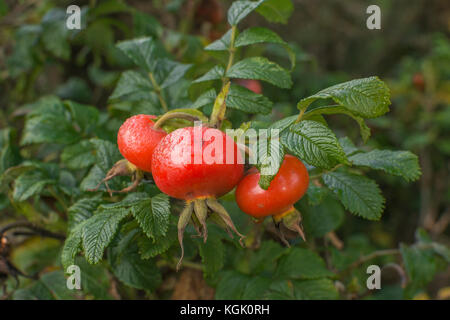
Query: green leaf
[144, 52]
[9, 151]
[257, 35]
[441, 250]
[90, 182]
[231, 286]
[215, 73]
[145, 24]
[67, 183]
[35, 254]
[75, 88]
[284, 123]
[22, 58]
[261, 69]
[84, 117]
[107, 153]
[55, 34]
[322, 218]
[398, 163]
[79, 155]
[243, 99]
[98, 231]
[320, 289]
[213, 254]
[420, 265]
[270, 157]
[55, 282]
[94, 279]
[177, 95]
[264, 259]
[314, 143]
[37, 291]
[82, 210]
[133, 86]
[302, 263]
[30, 183]
[263, 35]
[316, 194]
[359, 194]
[356, 246]
[280, 290]
[240, 9]
[153, 215]
[72, 246]
[127, 265]
[204, 99]
[167, 72]
[348, 146]
[276, 10]
[151, 248]
[222, 44]
[364, 129]
[40, 123]
[367, 97]
[256, 288]
[109, 7]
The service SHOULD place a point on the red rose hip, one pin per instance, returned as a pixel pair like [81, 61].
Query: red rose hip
[288, 186]
[137, 139]
[188, 164]
[198, 164]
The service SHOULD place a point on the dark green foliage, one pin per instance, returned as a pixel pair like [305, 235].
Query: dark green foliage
[58, 141]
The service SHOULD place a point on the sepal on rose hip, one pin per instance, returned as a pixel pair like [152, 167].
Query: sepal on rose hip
[291, 220]
[198, 211]
[183, 221]
[122, 168]
[223, 217]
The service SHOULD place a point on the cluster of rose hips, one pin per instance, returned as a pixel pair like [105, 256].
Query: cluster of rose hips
[146, 147]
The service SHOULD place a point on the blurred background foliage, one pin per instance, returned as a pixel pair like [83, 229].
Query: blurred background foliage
[39, 56]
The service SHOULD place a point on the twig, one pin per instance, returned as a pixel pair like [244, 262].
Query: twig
[335, 241]
[158, 92]
[173, 115]
[218, 113]
[441, 224]
[38, 230]
[369, 257]
[231, 50]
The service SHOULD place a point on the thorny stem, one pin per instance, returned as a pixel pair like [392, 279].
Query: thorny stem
[219, 109]
[158, 92]
[218, 115]
[172, 115]
[232, 51]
